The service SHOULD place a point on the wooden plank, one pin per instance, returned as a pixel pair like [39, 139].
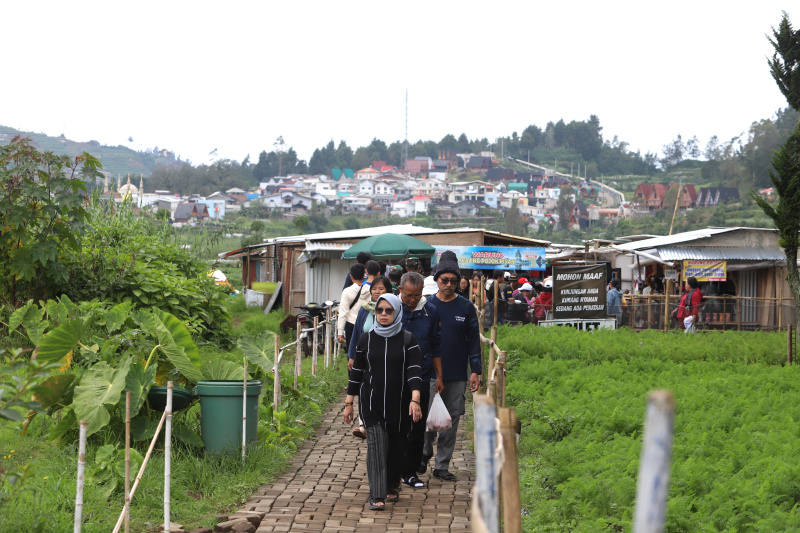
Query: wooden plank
[274, 298]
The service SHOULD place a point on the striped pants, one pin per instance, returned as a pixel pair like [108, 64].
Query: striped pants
[385, 455]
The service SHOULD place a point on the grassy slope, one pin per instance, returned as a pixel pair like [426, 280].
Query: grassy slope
[202, 486]
[581, 398]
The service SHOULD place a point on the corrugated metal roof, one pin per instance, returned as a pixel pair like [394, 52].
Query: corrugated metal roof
[762, 253]
[686, 236]
[403, 229]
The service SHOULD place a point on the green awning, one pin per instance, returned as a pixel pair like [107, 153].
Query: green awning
[391, 246]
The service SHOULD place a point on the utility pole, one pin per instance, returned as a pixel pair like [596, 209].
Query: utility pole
[405, 144]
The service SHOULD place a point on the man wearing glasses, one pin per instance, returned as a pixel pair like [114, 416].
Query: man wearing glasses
[460, 348]
[421, 318]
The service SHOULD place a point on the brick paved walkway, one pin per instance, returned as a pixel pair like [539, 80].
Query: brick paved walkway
[326, 489]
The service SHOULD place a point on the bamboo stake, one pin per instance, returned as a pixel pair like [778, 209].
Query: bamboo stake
[509, 481]
[298, 355]
[127, 461]
[315, 347]
[485, 492]
[141, 470]
[653, 485]
[244, 407]
[496, 286]
[167, 457]
[81, 476]
[327, 337]
[276, 384]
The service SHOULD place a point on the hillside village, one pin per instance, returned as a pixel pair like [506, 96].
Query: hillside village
[455, 186]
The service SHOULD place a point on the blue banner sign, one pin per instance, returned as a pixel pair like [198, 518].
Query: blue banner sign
[491, 257]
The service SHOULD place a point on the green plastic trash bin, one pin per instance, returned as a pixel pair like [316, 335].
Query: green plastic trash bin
[221, 413]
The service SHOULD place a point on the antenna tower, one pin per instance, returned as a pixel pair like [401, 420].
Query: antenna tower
[405, 144]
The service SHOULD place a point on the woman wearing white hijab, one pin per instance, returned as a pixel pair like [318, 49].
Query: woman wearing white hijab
[386, 379]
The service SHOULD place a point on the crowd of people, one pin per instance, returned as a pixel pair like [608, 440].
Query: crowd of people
[411, 338]
[403, 350]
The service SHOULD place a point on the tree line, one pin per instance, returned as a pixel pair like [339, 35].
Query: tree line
[579, 146]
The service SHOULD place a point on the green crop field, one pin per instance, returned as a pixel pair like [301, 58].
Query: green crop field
[582, 397]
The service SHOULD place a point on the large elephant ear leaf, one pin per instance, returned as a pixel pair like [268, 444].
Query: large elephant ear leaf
[259, 350]
[60, 341]
[48, 393]
[23, 314]
[177, 344]
[138, 383]
[100, 386]
[220, 369]
[116, 316]
[52, 389]
[187, 435]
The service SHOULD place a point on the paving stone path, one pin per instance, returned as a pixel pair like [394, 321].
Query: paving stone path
[326, 489]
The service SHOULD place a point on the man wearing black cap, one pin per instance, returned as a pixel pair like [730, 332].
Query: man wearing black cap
[460, 348]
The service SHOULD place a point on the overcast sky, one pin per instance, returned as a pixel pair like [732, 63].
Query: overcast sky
[233, 76]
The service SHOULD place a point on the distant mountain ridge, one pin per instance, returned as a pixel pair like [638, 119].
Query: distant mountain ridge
[116, 160]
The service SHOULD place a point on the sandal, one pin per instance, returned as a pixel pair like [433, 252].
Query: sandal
[392, 496]
[444, 475]
[413, 481]
[377, 504]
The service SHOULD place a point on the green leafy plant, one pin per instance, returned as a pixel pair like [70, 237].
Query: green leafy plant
[42, 213]
[108, 470]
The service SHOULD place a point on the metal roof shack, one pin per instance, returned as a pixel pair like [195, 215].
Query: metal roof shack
[311, 269]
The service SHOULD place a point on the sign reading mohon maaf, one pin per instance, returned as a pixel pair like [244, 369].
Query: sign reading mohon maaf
[491, 257]
[579, 292]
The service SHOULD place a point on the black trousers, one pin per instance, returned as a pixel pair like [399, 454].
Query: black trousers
[385, 452]
[416, 436]
[348, 334]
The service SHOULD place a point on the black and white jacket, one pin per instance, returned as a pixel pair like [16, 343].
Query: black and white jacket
[385, 371]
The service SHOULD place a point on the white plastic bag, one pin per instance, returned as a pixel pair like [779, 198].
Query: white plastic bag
[438, 417]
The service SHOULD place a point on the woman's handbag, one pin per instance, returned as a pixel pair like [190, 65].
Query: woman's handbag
[438, 417]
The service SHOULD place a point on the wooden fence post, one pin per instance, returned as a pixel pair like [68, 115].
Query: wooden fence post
[492, 352]
[653, 485]
[509, 482]
[667, 294]
[485, 491]
[501, 379]
[739, 313]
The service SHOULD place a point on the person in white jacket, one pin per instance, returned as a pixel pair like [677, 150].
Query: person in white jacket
[350, 302]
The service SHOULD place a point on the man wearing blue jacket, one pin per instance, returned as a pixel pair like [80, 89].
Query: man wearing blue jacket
[421, 318]
[461, 349]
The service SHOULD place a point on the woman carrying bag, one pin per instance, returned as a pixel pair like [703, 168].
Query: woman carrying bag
[386, 379]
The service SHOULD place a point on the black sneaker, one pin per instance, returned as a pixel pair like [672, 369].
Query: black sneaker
[423, 465]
